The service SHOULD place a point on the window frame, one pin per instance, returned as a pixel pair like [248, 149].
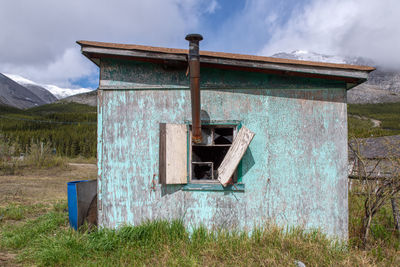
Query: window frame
[201, 185]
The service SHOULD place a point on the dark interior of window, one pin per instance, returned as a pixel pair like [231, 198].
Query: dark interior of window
[223, 136]
[208, 155]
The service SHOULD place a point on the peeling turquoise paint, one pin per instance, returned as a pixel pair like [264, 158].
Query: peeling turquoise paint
[294, 172]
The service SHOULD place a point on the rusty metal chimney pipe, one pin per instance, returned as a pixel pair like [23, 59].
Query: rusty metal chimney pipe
[194, 70]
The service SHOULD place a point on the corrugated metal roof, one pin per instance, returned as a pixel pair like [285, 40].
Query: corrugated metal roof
[224, 55]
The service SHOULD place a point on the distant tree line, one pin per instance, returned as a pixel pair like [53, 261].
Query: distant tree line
[68, 134]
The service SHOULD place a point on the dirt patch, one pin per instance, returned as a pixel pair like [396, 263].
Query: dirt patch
[7, 259]
[375, 123]
[42, 186]
[86, 165]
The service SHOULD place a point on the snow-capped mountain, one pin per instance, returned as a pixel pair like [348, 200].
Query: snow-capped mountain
[382, 86]
[310, 56]
[55, 90]
[65, 92]
[15, 95]
[36, 89]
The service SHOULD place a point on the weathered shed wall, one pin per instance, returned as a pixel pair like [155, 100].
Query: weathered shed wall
[295, 170]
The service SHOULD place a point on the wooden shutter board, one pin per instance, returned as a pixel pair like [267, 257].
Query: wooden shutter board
[234, 155]
[173, 153]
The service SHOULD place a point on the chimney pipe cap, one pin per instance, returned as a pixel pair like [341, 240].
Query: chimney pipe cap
[194, 37]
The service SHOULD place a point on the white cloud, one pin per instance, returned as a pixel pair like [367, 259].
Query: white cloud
[212, 6]
[37, 40]
[38, 37]
[69, 65]
[367, 28]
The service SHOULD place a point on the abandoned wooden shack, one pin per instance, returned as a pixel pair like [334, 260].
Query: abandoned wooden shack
[253, 140]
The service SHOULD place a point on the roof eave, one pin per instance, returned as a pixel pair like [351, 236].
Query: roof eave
[352, 77]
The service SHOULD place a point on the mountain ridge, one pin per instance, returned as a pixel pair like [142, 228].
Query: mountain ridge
[57, 91]
[382, 86]
[19, 92]
[15, 95]
[89, 98]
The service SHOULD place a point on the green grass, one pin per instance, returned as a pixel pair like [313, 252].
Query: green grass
[362, 128]
[384, 242]
[47, 240]
[387, 113]
[17, 212]
[24, 235]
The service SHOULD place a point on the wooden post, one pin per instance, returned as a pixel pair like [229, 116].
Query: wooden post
[396, 216]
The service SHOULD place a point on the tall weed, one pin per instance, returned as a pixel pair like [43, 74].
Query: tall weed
[41, 156]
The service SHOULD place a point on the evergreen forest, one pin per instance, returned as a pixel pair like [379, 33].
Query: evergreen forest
[68, 128]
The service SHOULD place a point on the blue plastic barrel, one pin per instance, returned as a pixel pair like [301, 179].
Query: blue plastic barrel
[73, 203]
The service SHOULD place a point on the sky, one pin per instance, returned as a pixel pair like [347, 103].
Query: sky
[38, 38]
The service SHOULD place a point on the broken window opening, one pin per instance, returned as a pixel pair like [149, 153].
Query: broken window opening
[216, 160]
[207, 156]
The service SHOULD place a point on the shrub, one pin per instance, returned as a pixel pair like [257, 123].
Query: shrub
[41, 156]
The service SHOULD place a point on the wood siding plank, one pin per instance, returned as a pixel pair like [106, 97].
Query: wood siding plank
[234, 155]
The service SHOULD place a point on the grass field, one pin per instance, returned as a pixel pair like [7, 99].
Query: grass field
[360, 125]
[34, 231]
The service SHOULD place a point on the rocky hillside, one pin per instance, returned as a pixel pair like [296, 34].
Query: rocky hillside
[19, 92]
[383, 85]
[368, 93]
[386, 79]
[41, 92]
[15, 95]
[57, 91]
[89, 98]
